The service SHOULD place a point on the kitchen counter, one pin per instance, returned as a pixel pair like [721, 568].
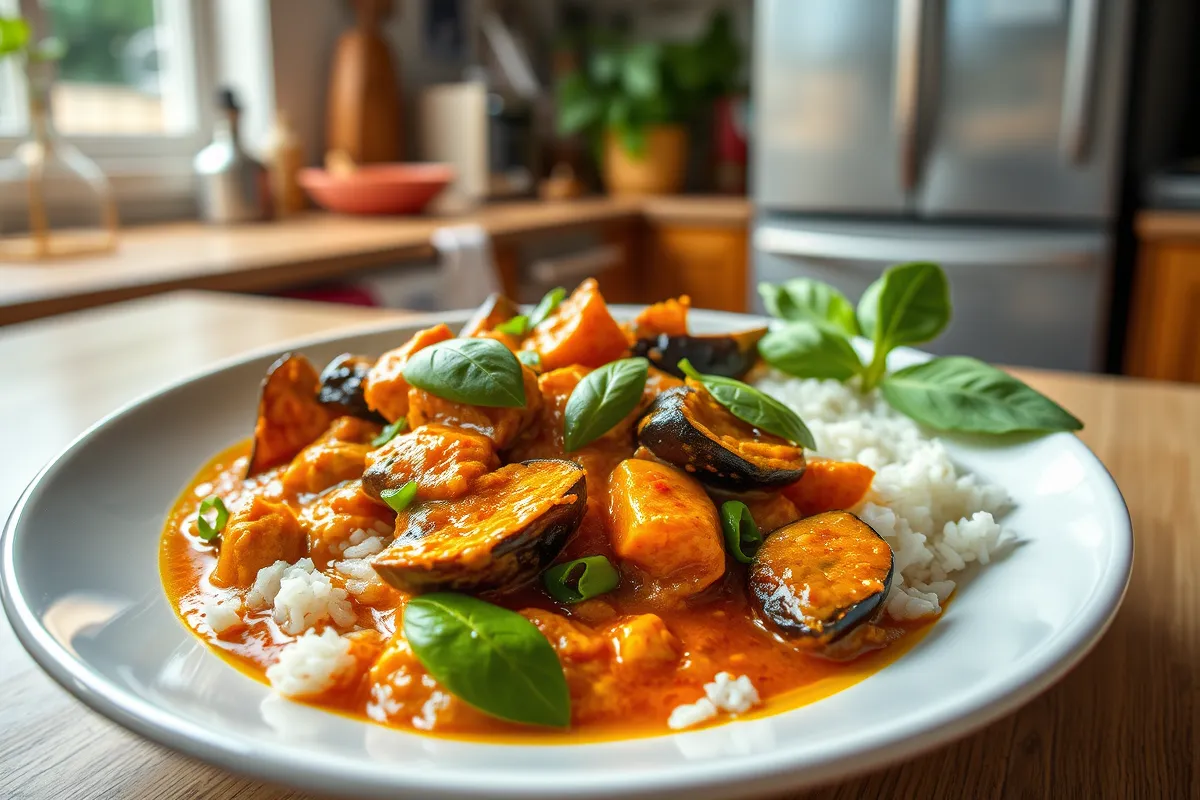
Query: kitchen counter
[308, 248]
[1157, 224]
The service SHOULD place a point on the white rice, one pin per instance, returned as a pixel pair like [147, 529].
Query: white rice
[936, 520]
[301, 597]
[358, 537]
[725, 693]
[361, 579]
[222, 613]
[313, 664]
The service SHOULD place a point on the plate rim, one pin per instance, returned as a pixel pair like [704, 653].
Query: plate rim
[933, 727]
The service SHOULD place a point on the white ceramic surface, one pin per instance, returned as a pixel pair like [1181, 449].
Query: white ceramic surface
[80, 583]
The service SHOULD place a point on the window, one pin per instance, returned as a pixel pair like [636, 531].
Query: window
[132, 89]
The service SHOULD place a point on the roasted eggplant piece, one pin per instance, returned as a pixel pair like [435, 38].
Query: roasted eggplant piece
[501, 536]
[728, 354]
[445, 462]
[689, 429]
[816, 580]
[495, 310]
[289, 415]
[342, 384]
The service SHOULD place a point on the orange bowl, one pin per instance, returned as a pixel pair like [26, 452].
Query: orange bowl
[377, 188]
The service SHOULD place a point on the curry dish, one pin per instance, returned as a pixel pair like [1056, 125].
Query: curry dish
[600, 480]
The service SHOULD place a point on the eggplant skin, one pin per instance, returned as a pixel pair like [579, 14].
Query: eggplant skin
[794, 564]
[730, 355]
[666, 431]
[515, 559]
[342, 383]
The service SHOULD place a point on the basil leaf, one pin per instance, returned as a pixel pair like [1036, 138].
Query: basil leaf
[742, 537]
[479, 372]
[807, 350]
[490, 657]
[530, 358]
[546, 306]
[517, 326]
[963, 394]
[753, 406]
[209, 530]
[603, 398]
[909, 304]
[390, 432]
[807, 300]
[401, 498]
[581, 579]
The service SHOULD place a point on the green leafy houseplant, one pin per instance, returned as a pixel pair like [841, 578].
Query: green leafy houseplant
[16, 41]
[908, 305]
[629, 87]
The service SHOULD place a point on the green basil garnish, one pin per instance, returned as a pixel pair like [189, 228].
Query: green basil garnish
[209, 530]
[517, 326]
[742, 537]
[546, 306]
[909, 304]
[807, 350]
[807, 300]
[490, 657]
[478, 372]
[401, 498]
[390, 432]
[957, 393]
[530, 358]
[581, 579]
[603, 398]
[753, 407]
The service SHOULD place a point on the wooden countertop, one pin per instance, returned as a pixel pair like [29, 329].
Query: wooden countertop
[1124, 723]
[308, 248]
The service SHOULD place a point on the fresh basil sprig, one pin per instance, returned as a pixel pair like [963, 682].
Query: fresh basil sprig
[478, 372]
[490, 657]
[742, 537]
[517, 326]
[581, 579]
[753, 407]
[401, 497]
[546, 306]
[603, 398]
[964, 394]
[210, 530]
[909, 304]
[530, 358]
[390, 432]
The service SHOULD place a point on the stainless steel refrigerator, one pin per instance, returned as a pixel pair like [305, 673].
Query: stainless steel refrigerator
[982, 134]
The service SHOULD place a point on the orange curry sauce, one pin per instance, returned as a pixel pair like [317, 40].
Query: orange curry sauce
[612, 698]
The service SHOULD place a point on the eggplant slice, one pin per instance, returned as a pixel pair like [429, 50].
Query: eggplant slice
[816, 580]
[728, 354]
[342, 384]
[501, 536]
[689, 429]
[289, 416]
[495, 310]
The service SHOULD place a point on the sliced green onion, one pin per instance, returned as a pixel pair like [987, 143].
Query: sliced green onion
[546, 306]
[742, 538]
[517, 326]
[530, 358]
[389, 432]
[399, 499]
[210, 530]
[581, 579]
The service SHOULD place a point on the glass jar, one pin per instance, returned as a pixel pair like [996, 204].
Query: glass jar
[54, 201]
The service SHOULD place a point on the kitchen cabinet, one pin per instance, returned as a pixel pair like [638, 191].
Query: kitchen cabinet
[1164, 327]
[706, 261]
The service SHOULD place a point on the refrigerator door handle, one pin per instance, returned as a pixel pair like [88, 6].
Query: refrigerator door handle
[841, 247]
[906, 97]
[1078, 80]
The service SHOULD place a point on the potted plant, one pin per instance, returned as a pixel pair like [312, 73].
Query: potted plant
[635, 99]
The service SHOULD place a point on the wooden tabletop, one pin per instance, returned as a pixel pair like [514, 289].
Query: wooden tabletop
[305, 249]
[1123, 724]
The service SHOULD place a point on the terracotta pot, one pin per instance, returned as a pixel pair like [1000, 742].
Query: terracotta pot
[658, 170]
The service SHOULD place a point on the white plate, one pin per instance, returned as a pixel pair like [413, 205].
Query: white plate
[81, 586]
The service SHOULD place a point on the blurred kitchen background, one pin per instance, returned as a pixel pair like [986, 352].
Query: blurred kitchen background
[420, 153]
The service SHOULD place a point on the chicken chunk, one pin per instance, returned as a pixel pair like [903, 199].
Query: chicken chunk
[339, 455]
[257, 536]
[580, 331]
[386, 391]
[830, 486]
[501, 425]
[444, 462]
[334, 517]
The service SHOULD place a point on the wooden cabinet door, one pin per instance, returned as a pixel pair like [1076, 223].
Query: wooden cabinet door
[706, 263]
[1164, 331]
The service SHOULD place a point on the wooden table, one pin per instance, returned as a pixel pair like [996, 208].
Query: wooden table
[1123, 724]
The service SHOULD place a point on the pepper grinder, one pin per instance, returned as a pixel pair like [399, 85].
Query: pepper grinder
[232, 186]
